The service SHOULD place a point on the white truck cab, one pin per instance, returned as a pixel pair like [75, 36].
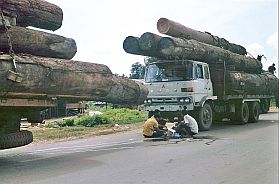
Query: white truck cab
[179, 85]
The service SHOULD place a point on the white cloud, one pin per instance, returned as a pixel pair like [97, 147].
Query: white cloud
[255, 49]
[273, 40]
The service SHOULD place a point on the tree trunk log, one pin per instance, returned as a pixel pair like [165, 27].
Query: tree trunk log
[171, 28]
[36, 13]
[149, 41]
[38, 43]
[68, 79]
[251, 84]
[131, 45]
[194, 50]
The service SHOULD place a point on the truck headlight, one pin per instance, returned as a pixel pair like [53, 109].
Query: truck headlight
[187, 100]
[184, 100]
[181, 100]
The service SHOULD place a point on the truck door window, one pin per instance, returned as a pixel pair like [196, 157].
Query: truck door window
[206, 72]
[199, 72]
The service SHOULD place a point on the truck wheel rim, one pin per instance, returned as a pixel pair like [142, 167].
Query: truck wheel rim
[206, 116]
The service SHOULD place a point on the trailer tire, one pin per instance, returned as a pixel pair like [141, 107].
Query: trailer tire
[254, 112]
[218, 117]
[242, 113]
[204, 117]
[16, 139]
[265, 104]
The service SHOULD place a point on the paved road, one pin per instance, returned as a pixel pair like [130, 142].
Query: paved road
[238, 154]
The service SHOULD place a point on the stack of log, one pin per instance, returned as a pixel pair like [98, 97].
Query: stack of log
[223, 57]
[39, 14]
[43, 65]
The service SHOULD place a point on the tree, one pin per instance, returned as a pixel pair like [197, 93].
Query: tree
[137, 71]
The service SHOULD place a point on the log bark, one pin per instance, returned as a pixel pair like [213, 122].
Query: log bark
[38, 43]
[194, 50]
[36, 13]
[68, 79]
[251, 84]
[172, 28]
[241, 83]
[131, 46]
[149, 41]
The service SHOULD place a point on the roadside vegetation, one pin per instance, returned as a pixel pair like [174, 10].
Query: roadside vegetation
[110, 121]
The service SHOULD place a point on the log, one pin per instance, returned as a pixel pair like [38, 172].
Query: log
[131, 45]
[68, 79]
[36, 13]
[38, 43]
[241, 83]
[194, 50]
[149, 41]
[251, 84]
[172, 28]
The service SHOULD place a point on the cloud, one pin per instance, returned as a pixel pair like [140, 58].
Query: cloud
[273, 40]
[255, 49]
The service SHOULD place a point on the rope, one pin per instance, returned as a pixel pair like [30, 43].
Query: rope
[11, 51]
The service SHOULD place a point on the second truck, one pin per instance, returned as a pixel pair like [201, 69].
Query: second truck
[208, 95]
[203, 74]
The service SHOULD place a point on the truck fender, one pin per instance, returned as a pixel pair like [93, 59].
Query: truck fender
[206, 99]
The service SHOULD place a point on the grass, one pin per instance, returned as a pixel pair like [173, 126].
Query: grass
[111, 121]
[44, 134]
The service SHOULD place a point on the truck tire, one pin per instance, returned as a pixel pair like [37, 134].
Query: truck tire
[241, 113]
[218, 117]
[9, 122]
[204, 117]
[254, 112]
[16, 139]
[35, 120]
[34, 117]
[150, 114]
[265, 106]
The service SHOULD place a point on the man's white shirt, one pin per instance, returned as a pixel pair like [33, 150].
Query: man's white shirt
[192, 123]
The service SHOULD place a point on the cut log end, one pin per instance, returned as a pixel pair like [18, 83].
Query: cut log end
[163, 25]
[131, 45]
[149, 41]
[166, 43]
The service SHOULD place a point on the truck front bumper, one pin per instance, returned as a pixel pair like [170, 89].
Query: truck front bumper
[168, 107]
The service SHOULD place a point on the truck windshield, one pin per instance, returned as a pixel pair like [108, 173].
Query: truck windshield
[170, 71]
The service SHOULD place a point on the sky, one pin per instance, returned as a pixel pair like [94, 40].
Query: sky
[99, 27]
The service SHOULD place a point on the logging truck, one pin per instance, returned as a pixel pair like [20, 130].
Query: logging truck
[40, 83]
[208, 92]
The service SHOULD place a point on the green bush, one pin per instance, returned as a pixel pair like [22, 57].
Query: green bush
[51, 125]
[124, 116]
[67, 122]
[90, 121]
[119, 116]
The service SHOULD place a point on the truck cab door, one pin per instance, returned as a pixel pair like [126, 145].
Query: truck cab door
[203, 85]
[208, 83]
